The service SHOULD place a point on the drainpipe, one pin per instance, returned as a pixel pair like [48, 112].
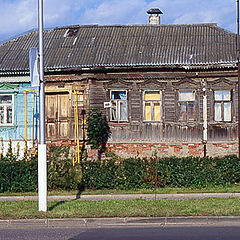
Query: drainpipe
[238, 64]
[25, 125]
[204, 141]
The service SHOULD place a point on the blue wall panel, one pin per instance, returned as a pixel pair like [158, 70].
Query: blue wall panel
[17, 131]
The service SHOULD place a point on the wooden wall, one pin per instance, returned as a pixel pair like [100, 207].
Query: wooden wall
[97, 91]
[169, 129]
[59, 96]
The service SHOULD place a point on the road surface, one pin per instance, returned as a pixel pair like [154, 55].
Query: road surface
[126, 233]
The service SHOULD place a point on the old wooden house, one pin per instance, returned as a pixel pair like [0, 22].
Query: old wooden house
[152, 81]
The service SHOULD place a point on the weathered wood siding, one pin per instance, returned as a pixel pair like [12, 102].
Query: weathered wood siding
[169, 128]
[60, 119]
[97, 96]
[97, 91]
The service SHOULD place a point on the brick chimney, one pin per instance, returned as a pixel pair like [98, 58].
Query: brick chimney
[154, 16]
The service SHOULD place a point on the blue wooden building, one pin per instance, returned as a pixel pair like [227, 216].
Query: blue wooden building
[18, 113]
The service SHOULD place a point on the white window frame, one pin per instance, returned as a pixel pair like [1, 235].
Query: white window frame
[5, 110]
[118, 104]
[80, 94]
[222, 105]
[152, 106]
[187, 102]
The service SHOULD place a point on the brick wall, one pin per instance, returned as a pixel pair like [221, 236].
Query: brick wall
[127, 150]
[172, 149]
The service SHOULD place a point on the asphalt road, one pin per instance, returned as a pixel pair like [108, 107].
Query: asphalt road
[136, 233]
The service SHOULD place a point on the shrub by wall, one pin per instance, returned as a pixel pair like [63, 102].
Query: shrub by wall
[162, 172]
[21, 175]
[61, 173]
[18, 176]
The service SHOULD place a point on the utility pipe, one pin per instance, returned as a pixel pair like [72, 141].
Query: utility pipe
[204, 118]
[25, 122]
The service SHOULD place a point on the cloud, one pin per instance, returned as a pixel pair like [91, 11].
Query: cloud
[222, 12]
[18, 16]
[115, 12]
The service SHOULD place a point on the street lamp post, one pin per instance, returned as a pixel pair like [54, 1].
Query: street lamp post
[42, 149]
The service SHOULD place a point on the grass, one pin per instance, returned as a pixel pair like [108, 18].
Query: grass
[219, 189]
[122, 208]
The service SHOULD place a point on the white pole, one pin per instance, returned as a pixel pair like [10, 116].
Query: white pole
[204, 117]
[42, 150]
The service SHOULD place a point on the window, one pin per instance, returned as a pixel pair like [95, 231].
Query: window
[222, 106]
[77, 96]
[118, 108]
[186, 103]
[6, 109]
[152, 106]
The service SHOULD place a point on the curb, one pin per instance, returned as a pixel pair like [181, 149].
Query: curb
[119, 222]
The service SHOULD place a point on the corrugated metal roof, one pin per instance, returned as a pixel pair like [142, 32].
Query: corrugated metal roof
[124, 46]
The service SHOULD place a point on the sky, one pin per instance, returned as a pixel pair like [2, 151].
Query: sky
[19, 16]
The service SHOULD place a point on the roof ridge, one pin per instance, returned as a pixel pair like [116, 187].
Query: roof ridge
[224, 30]
[134, 25]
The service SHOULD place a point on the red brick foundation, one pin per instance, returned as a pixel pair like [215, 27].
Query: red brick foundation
[171, 149]
[134, 149]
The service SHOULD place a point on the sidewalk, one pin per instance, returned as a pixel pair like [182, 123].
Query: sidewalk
[170, 196]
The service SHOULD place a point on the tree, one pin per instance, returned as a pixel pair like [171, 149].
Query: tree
[98, 131]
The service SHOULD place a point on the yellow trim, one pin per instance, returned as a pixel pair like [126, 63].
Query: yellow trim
[25, 93]
[76, 159]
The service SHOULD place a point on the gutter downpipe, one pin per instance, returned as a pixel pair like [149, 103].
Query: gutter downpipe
[204, 118]
[238, 64]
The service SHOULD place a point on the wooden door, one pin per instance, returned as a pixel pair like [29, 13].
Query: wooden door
[57, 116]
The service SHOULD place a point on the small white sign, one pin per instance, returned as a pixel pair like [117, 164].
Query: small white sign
[107, 104]
[33, 67]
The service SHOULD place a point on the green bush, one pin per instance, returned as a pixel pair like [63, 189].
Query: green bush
[114, 173]
[162, 172]
[61, 173]
[98, 131]
[22, 176]
[18, 176]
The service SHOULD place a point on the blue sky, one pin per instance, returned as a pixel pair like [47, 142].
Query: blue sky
[18, 16]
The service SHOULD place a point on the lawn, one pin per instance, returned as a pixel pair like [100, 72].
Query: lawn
[122, 208]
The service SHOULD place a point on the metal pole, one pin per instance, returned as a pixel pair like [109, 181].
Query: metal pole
[204, 119]
[42, 150]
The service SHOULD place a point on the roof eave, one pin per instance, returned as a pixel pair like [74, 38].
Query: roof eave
[86, 68]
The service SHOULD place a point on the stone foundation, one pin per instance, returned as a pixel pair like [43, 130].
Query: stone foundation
[126, 150]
